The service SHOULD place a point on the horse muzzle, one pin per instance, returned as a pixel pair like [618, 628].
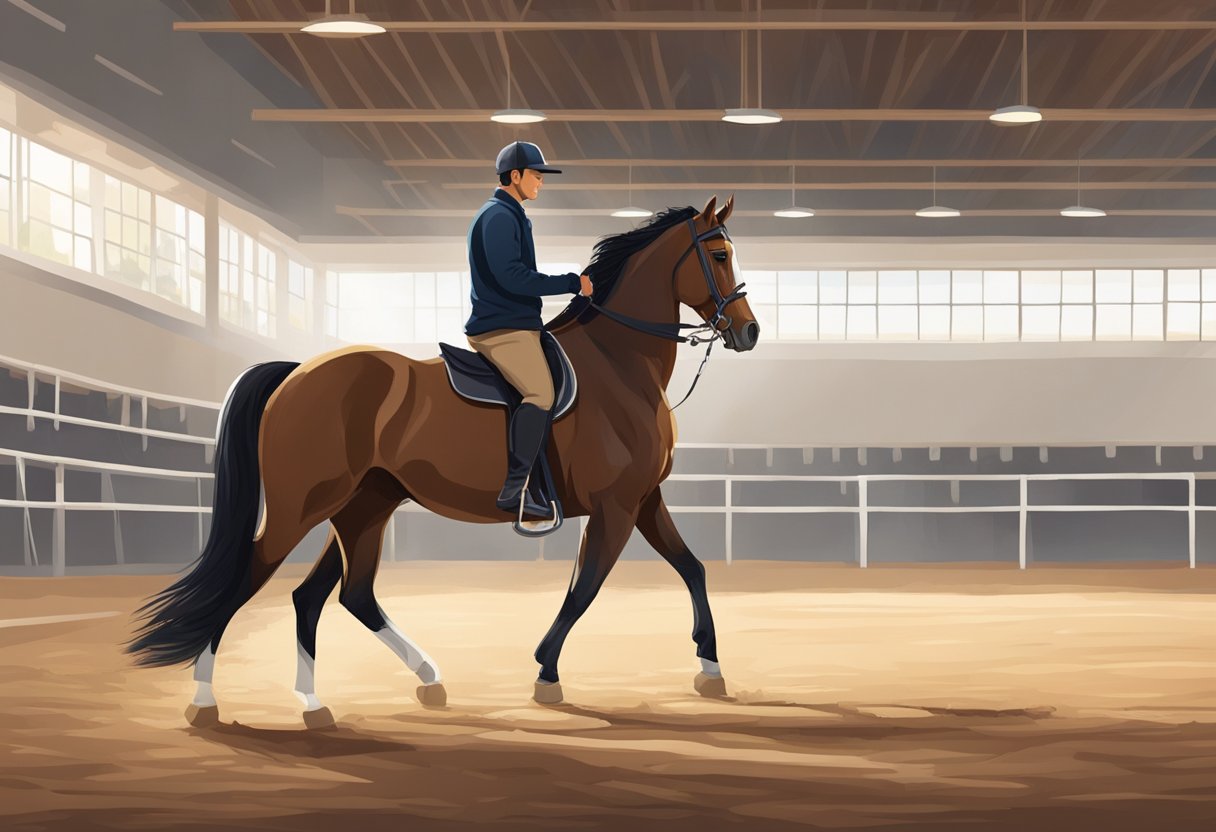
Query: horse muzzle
[745, 340]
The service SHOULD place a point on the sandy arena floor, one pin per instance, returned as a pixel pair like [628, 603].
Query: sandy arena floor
[935, 698]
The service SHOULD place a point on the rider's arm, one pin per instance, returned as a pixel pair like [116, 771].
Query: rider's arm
[504, 249]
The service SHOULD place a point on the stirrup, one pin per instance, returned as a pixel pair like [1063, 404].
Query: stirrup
[536, 528]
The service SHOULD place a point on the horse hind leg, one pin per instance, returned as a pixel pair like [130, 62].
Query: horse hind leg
[360, 529]
[277, 536]
[309, 599]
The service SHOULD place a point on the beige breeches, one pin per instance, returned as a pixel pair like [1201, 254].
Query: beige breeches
[518, 355]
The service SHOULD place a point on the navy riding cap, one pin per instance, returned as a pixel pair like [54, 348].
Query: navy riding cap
[522, 156]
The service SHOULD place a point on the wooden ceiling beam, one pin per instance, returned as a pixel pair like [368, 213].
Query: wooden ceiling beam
[1163, 162]
[722, 23]
[467, 213]
[596, 115]
[917, 185]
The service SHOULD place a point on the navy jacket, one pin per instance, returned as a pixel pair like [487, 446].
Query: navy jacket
[502, 264]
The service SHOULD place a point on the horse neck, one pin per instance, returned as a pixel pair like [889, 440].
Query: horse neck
[645, 290]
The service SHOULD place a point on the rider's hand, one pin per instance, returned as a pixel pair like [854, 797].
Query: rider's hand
[586, 288]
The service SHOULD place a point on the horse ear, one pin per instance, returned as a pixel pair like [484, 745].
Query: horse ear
[708, 212]
[726, 209]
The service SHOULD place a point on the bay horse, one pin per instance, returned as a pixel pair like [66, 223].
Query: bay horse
[350, 435]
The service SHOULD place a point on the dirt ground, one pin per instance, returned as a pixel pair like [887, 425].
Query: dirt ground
[936, 698]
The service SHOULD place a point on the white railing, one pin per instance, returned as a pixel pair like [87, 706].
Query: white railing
[61, 505]
[33, 371]
[865, 508]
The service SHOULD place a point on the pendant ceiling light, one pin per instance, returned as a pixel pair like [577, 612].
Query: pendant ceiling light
[745, 114]
[514, 115]
[936, 210]
[793, 212]
[631, 211]
[1080, 210]
[1019, 113]
[343, 25]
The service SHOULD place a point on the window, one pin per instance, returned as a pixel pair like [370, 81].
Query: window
[299, 296]
[1041, 305]
[1077, 309]
[128, 233]
[398, 307]
[1046, 305]
[451, 299]
[247, 282]
[862, 321]
[7, 149]
[1182, 311]
[797, 299]
[331, 304]
[833, 292]
[1001, 301]
[933, 293]
[375, 307]
[180, 268]
[56, 218]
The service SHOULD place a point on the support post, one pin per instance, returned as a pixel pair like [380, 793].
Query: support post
[1023, 487]
[863, 524]
[730, 525]
[1190, 516]
[58, 553]
[31, 382]
[107, 495]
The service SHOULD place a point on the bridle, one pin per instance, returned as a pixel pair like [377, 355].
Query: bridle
[671, 331]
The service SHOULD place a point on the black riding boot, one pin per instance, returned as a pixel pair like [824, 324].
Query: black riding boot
[527, 434]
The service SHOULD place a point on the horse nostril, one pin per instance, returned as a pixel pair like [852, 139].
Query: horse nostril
[751, 334]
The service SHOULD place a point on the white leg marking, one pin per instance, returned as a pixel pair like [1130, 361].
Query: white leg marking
[409, 652]
[710, 668]
[203, 669]
[306, 688]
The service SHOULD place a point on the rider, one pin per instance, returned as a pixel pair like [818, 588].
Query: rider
[505, 324]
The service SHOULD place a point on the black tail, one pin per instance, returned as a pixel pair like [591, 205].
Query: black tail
[179, 622]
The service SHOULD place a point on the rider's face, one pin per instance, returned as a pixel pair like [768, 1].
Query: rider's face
[529, 183]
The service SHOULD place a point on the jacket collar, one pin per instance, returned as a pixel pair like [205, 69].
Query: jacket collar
[510, 201]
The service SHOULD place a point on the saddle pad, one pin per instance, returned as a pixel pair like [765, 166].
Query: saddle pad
[476, 379]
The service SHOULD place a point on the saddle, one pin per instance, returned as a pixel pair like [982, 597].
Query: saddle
[476, 379]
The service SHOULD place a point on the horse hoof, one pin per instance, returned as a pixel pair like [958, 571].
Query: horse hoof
[433, 695]
[318, 718]
[710, 686]
[548, 693]
[203, 716]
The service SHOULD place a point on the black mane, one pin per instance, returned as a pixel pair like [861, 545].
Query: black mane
[609, 258]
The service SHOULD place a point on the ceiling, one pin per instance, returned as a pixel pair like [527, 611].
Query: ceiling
[1127, 86]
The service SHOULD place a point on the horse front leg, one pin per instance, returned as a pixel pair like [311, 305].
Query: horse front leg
[608, 531]
[656, 525]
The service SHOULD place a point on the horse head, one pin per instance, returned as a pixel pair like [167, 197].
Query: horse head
[707, 278]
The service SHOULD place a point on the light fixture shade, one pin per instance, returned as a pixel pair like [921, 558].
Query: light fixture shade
[343, 26]
[1017, 114]
[938, 211]
[517, 116]
[794, 212]
[1082, 211]
[632, 212]
[751, 115]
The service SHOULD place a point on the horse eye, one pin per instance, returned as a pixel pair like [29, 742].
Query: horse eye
[720, 256]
